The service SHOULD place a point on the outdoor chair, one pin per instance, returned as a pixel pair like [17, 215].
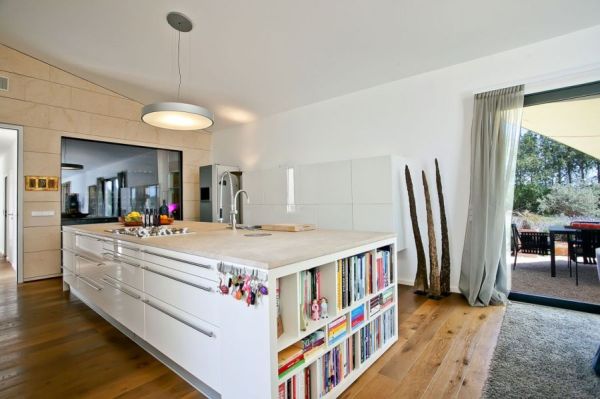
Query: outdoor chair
[583, 244]
[529, 242]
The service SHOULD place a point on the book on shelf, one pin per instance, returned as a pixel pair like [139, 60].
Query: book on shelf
[352, 277]
[376, 333]
[382, 272]
[289, 359]
[312, 344]
[310, 289]
[337, 364]
[291, 367]
[297, 386]
[387, 297]
[337, 329]
[374, 305]
[357, 316]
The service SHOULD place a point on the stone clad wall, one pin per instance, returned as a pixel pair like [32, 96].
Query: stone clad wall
[50, 103]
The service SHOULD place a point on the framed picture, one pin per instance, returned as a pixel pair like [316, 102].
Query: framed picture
[41, 183]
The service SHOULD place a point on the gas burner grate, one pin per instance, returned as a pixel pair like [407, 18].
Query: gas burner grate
[153, 231]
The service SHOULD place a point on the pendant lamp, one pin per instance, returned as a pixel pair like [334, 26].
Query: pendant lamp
[177, 115]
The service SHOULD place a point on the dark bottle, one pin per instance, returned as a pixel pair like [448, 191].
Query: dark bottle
[164, 209]
[146, 218]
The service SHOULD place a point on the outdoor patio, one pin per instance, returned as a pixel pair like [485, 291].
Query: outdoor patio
[532, 276]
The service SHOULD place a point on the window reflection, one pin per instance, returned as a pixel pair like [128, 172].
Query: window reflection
[117, 179]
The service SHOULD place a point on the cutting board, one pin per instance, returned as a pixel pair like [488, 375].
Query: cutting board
[294, 227]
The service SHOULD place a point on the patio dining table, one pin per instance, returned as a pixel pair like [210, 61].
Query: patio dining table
[553, 231]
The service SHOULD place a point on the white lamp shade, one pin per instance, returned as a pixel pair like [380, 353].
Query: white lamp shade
[177, 116]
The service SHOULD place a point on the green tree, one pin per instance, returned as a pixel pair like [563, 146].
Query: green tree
[571, 200]
[543, 163]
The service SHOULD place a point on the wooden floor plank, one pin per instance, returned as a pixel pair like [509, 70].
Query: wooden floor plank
[52, 343]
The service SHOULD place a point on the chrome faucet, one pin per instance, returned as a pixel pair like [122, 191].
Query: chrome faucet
[234, 210]
[221, 195]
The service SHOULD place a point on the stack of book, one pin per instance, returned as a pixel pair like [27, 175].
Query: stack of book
[312, 344]
[375, 334]
[337, 364]
[289, 359]
[310, 289]
[357, 316]
[351, 279]
[336, 330]
[387, 297]
[297, 387]
[374, 305]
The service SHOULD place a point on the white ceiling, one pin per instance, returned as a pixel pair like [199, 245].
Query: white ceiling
[247, 59]
[575, 123]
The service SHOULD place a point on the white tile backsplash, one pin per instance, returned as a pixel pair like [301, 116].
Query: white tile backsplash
[275, 186]
[373, 217]
[335, 183]
[372, 180]
[306, 179]
[334, 217]
[343, 195]
[252, 182]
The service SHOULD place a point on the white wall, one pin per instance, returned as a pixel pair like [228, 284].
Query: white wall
[8, 167]
[419, 118]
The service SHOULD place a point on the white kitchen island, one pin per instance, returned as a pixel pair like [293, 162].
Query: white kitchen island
[163, 292]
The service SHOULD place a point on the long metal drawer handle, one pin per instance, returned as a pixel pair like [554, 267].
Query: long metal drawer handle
[118, 258]
[178, 260]
[127, 247]
[88, 259]
[91, 284]
[187, 323]
[93, 237]
[123, 290]
[208, 289]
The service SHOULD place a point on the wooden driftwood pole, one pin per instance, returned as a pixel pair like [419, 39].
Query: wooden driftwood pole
[434, 270]
[421, 285]
[445, 267]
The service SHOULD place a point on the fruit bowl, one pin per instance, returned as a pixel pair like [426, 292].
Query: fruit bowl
[166, 221]
[132, 224]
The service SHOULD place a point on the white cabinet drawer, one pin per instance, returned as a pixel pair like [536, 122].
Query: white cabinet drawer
[127, 249]
[124, 304]
[186, 263]
[90, 289]
[194, 295]
[89, 244]
[87, 264]
[122, 268]
[68, 260]
[68, 240]
[69, 277]
[193, 345]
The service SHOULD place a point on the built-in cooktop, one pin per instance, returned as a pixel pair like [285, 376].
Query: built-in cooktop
[151, 231]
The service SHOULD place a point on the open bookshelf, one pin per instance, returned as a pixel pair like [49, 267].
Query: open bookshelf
[319, 357]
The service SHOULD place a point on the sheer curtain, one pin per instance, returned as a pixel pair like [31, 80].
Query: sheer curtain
[494, 140]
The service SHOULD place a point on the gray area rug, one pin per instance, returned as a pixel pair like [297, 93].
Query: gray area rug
[544, 352]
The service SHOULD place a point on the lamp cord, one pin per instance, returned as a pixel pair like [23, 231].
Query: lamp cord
[178, 62]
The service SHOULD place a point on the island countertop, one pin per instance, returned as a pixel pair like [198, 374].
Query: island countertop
[216, 241]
